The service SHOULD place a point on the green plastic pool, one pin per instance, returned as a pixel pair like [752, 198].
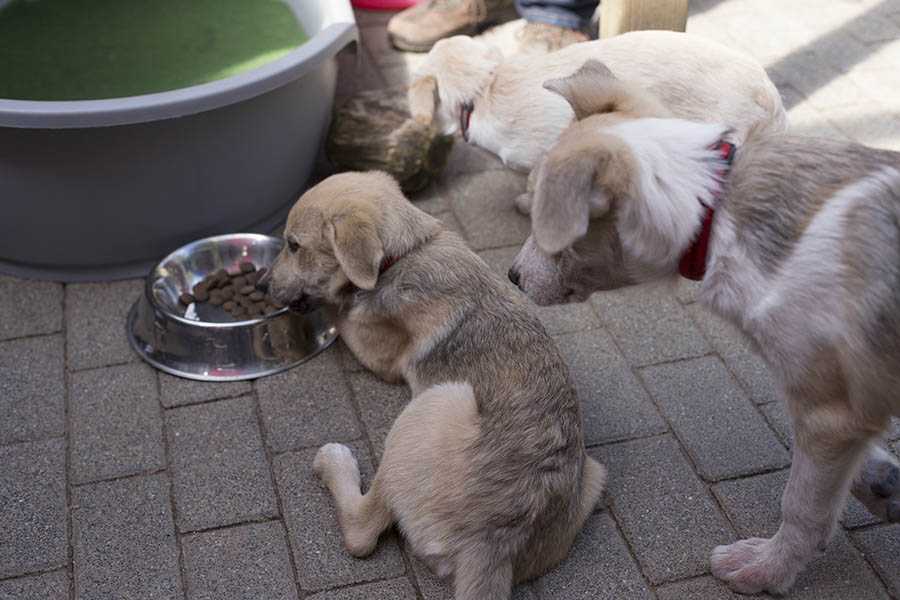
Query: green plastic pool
[95, 49]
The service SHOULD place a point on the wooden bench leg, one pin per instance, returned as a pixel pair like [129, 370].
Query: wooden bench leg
[620, 16]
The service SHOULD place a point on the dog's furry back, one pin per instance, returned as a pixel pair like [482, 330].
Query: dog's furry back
[528, 459]
[694, 78]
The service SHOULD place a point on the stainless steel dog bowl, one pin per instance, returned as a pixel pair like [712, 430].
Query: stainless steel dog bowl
[212, 346]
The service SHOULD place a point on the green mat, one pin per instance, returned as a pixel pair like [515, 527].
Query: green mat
[93, 49]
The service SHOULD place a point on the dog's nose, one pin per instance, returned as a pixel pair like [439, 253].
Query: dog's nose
[513, 276]
[262, 283]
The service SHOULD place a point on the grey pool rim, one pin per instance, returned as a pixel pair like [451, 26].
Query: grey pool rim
[98, 190]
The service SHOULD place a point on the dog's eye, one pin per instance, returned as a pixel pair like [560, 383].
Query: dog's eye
[293, 246]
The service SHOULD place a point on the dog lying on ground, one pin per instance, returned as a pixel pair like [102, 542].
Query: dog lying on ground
[485, 471]
[803, 242]
[500, 105]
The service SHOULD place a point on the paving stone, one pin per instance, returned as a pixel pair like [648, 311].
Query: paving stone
[776, 415]
[686, 290]
[701, 588]
[466, 159]
[665, 512]
[116, 424]
[874, 28]
[33, 496]
[432, 199]
[29, 307]
[563, 318]
[248, 562]
[649, 325]
[449, 220]
[483, 202]
[125, 540]
[219, 471]
[754, 506]
[753, 501]
[857, 515]
[881, 546]
[721, 430]
[738, 353]
[177, 391]
[47, 586]
[314, 534]
[95, 317]
[32, 389]
[598, 566]
[614, 406]
[393, 589]
[433, 588]
[307, 406]
[877, 128]
[379, 403]
[345, 358]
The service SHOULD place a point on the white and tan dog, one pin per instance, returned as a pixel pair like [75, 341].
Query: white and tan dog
[803, 245]
[484, 471]
[501, 105]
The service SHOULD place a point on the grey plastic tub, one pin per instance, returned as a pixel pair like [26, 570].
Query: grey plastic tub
[101, 189]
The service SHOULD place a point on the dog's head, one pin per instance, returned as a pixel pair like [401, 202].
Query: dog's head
[617, 198]
[339, 234]
[455, 71]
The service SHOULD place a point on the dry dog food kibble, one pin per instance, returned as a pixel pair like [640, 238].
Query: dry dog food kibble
[235, 292]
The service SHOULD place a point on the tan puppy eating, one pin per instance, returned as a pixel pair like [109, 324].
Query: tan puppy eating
[484, 472]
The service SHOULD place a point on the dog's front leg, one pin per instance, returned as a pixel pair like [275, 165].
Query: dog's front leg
[824, 463]
[377, 346]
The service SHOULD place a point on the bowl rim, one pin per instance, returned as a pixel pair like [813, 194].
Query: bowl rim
[128, 110]
[148, 292]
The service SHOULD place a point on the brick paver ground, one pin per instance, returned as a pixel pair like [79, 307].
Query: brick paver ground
[120, 482]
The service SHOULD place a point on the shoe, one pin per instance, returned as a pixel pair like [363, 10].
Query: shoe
[416, 29]
[543, 38]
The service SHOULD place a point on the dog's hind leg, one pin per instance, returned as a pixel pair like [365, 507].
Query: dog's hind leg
[877, 485]
[827, 454]
[362, 517]
[480, 574]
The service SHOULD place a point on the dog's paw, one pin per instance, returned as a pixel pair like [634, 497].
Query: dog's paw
[878, 485]
[336, 461]
[523, 203]
[752, 566]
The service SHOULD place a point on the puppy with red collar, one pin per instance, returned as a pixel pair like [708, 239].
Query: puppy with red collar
[796, 242]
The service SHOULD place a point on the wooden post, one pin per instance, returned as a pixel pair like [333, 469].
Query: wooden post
[620, 16]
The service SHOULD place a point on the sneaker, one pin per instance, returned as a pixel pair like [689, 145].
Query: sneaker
[542, 38]
[416, 29]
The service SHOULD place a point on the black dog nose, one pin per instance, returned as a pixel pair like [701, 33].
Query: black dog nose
[513, 276]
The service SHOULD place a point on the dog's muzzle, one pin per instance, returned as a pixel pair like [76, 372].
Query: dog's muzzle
[304, 304]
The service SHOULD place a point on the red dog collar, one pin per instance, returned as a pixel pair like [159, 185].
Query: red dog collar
[465, 115]
[693, 261]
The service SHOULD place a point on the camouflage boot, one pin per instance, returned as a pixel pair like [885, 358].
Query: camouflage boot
[416, 29]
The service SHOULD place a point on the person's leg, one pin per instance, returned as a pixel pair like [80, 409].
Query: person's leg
[568, 14]
[417, 29]
[553, 24]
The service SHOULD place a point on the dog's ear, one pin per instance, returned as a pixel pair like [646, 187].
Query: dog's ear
[588, 90]
[423, 99]
[357, 247]
[569, 194]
